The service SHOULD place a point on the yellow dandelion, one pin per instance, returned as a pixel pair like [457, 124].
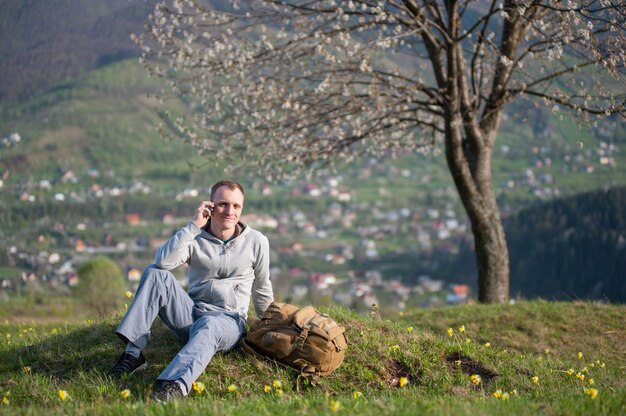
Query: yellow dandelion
[580, 355]
[129, 294]
[497, 394]
[279, 392]
[467, 340]
[602, 365]
[125, 393]
[5, 401]
[487, 344]
[26, 369]
[267, 388]
[232, 388]
[591, 381]
[450, 332]
[505, 396]
[580, 376]
[357, 394]
[403, 381]
[593, 393]
[64, 395]
[198, 387]
[334, 406]
[54, 331]
[462, 328]
[394, 348]
[534, 379]
[277, 384]
[475, 378]
[409, 329]
[570, 371]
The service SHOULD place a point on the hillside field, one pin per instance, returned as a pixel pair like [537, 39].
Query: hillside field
[531, 357]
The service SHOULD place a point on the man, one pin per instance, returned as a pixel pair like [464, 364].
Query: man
[228, 264]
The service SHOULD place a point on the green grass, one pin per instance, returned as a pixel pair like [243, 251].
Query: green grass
[38, 360]
[11, 272]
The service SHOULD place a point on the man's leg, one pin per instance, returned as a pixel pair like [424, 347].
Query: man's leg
[159, 294]
[211, 333]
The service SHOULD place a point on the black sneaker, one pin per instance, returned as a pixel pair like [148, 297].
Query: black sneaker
[127, 364]
[168, 390]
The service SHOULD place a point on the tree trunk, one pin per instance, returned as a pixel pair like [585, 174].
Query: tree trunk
[469, 162]
[492, 254]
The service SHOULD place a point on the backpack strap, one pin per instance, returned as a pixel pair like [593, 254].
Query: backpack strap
[299, 342]
[256, 358]
[307, 371]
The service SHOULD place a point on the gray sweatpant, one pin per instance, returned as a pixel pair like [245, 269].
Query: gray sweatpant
[159, 293]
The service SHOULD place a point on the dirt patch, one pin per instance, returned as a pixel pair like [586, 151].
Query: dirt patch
[356, 326]
[470, 366]
[397, 370]
[459, 391]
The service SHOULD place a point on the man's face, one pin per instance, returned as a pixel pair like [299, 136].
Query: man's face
[228, 207]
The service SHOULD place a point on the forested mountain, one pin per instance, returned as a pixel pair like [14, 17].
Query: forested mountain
[568, 248]
[571, 248]
[45, 43]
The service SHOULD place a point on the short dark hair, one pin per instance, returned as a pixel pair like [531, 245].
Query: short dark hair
[232, 185]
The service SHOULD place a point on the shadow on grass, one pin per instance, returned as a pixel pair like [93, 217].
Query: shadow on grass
[91, 349]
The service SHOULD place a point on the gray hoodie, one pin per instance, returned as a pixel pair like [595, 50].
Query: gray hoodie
[222, 276]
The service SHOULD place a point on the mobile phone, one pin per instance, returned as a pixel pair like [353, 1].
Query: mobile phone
[206, 212]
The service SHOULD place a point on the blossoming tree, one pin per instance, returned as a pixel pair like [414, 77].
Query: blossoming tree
[286, 85]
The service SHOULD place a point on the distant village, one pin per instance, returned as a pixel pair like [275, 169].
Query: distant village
[439, 226]
[56, 268]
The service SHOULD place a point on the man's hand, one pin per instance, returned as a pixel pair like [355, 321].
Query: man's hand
[203, 213]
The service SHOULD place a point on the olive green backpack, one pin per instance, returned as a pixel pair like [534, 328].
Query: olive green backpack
[302, 338]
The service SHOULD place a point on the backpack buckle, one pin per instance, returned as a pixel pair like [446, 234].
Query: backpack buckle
[299, 343]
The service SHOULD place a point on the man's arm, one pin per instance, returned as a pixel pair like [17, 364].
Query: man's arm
[176, 251]
[262, 292]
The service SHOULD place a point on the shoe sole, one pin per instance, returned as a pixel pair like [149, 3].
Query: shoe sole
[141, 367]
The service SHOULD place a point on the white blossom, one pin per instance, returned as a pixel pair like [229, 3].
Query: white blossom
[282, 79]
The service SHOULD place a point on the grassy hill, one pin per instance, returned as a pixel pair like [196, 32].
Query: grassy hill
[107, 120]
[506, 345]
